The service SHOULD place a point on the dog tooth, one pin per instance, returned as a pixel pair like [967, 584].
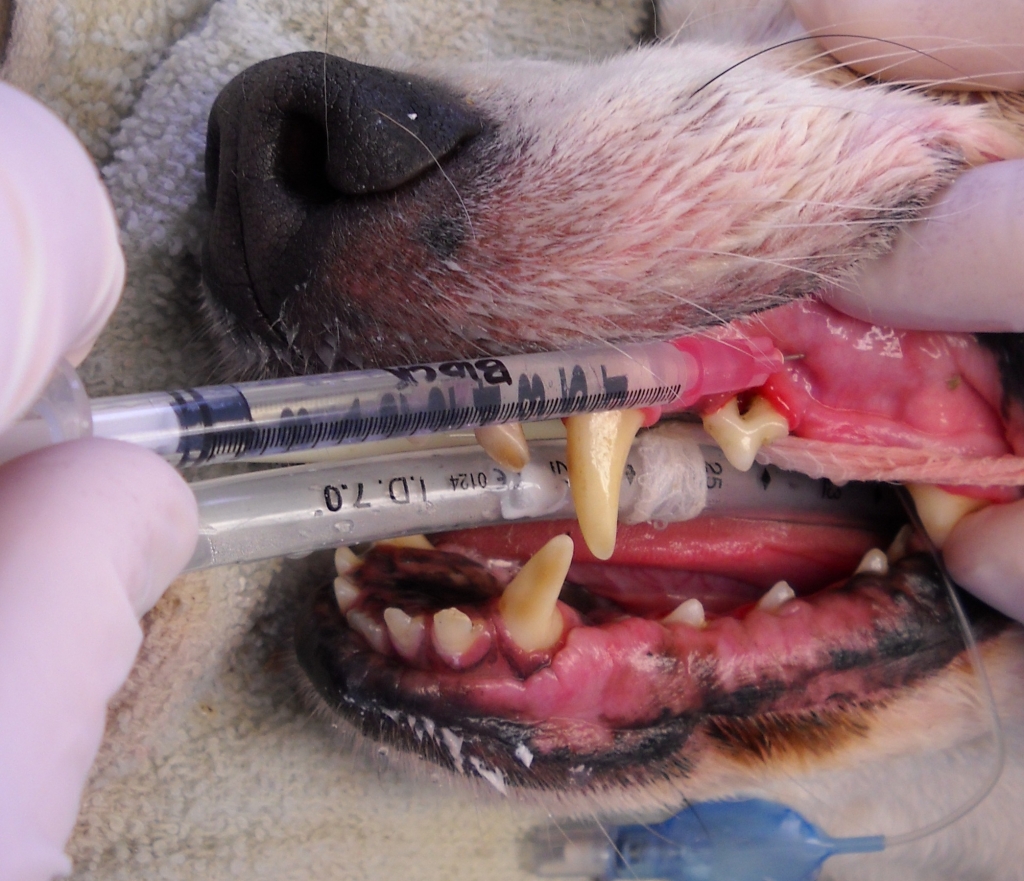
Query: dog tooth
[505, 444]
[345, 593]
[687, 612]
[940, 511]
[406, 631]
[454, 633]
[529, 605]
[345, 560]
[741, 436]
[406, 541]
[898, 549]
[370, 629]
[597, 445]
[875, 561]
[779, 594]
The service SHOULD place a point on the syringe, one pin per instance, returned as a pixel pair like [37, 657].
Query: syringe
[249, 420]
[669, 476]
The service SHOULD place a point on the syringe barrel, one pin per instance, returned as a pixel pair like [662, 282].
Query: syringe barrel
[226, 423]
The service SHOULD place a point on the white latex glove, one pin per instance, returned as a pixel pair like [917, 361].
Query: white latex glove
[961, 268]
[91, 532]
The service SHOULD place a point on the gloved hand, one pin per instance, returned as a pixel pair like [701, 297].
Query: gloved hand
[91, 532]
[962, 267]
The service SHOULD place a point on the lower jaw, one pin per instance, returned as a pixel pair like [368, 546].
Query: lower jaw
[623, 695]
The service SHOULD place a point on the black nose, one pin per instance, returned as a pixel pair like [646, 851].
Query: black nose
[294, 136]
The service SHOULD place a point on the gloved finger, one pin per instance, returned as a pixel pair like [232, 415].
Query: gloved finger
[959, 43]
[960, 268]
[61, 267]
[91, 533]
[984, 554]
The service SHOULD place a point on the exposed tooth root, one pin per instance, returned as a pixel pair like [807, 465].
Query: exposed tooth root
[742, 436]
[372, 631]
[406, 632]
[505, 444]
[687, 612]
[406, 541]
[939, 510]
[898, 549]
[346, 593]
[779, 594]
[597, 445]
[454, 634]
[874, 560]
[529, 605]
[345, 560]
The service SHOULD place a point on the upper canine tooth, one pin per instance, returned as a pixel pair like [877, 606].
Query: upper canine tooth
[529, 605]
[874, 560]
[742, 436]
[406, 632]
[687, 612]
[454, 633]
[779, 594]
[940, 511]
[346, 593]
[505, 444]
[345, 560]
[597, 445]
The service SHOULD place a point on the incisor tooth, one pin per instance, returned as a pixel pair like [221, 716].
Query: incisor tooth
[454, 632]
[779, 594]
[597, 445]
[528, 607]
[940, 511]
[742, 436]
[346, 593]
[505, 444]
[874, 560]
[406, 632]
[370, 629]
[687, 612]
[406, 541]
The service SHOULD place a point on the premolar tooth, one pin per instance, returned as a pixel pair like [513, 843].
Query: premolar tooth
[875, 561]
[505, 444]
[687, 612]
[742, 436]
[406, 631]
[406, 541]
[529, 605]
[940, 511]
[779, 594]
[597, 445]
[346, 593]
[370, 629]
[454, 633]
[345, 560]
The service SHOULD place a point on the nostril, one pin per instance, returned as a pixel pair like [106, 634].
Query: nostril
[211, 162]
[302, 159]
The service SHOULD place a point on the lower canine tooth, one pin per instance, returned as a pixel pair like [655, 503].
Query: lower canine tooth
[369, 629]
[780, 594]
[454, 633]
[688, 612]
[597, 445]
[529, 605]
[940, 511]
[505, 444]
[405, 631]
[742, 436]
[874, 560]
[346, 593]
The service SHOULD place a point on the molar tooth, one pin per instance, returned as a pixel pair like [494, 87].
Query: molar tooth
[406, 632]
[370, 629]
[406, 541]
[687, 612]
[597, 445]
[940, 511]
[742, 436]
[874, 560]
[528, 607]
[779, 594]
[346, 593]
[345, 560]
[505, 444]
[454, 633]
